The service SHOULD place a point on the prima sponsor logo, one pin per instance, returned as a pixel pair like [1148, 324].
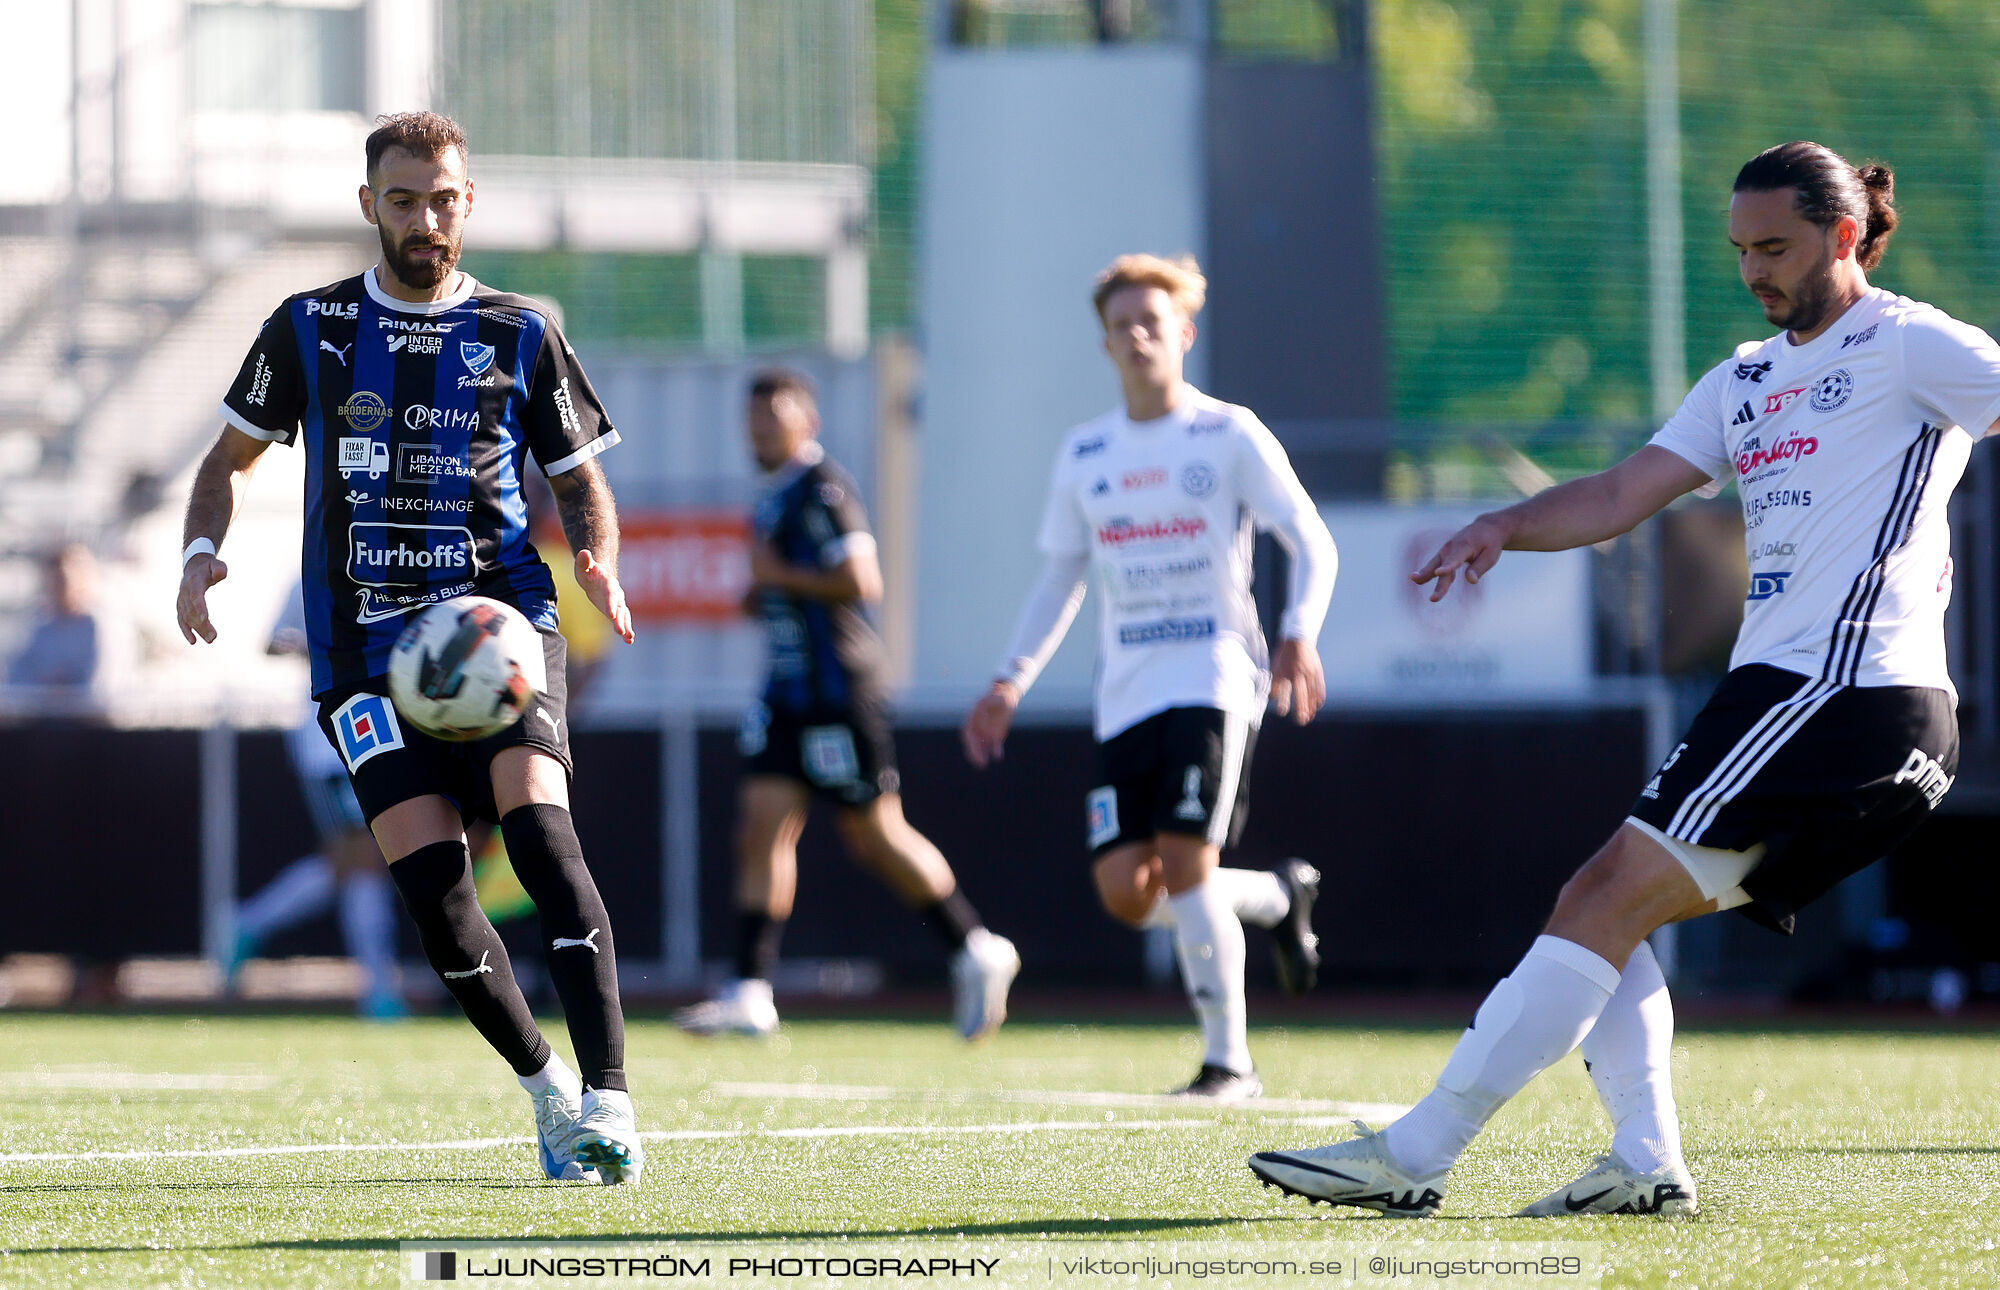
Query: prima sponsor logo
[347, 309]
[380, 555]
[567, 409]
[477, 357]
[1778, 402]
[1166, 630]
[362, 457]
[1754, 456]
[1833, 390]
[260, 382]
[364, 410]
[386, 323]
[424, 463]
[405, 342]
[1763, 586]
[1133, 480]
[422, 417]
[1124, 532]
[1923, 770]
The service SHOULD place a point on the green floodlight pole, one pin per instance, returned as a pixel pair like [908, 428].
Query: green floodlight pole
[1667, 284]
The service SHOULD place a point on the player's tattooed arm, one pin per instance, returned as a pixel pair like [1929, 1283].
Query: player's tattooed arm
[219, 485]
[589, 517]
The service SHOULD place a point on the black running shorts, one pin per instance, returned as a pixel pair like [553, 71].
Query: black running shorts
[1828, 777]
[845, 755]
[1185, 770]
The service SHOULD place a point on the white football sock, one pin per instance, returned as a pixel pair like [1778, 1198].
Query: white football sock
[1529, 1023]
[1255, 894]
[558, 1073]
[368, 925]
[1629, 1053]
[303, 889]
[1210, 941]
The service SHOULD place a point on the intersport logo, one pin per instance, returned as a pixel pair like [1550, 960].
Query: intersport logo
[1123, 532]
[1783, 450]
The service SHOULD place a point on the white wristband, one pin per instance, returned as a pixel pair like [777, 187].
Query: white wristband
[200, 546]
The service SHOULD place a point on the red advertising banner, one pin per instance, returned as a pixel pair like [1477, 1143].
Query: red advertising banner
[684, 565]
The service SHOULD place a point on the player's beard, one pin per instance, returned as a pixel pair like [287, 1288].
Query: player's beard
[421, 274]
[1805, 306]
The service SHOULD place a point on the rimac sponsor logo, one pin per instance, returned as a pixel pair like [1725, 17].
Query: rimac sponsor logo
[404, 342]
[1197, 479]
[364, 410]
[1166, 630]
[1089, 447]
[1758, 509]
[1134, 480]
[1752, 372]
[422, 417]
[424, 463]
[1833, 390]
[1123, 532]
[368, 457]
[567, 409]
[1778, 402]
[347, 309]
[1861, 337]
[260, 382]
[1753, 456]
[1155, 573]
[385, 555]
[386, 323]
[477, 357]
[1923, 770]
[1763, 586]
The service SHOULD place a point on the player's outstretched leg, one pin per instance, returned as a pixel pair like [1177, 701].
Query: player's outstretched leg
[581, 956]
[368, 925]
[983, 964]
[1281, 901]
[1209, 940]
[301, 890]
[435, 882]
[1628, 1054]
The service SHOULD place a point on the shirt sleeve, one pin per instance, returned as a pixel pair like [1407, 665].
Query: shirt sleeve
[1953, 369]
[1063, 530]
[1271, 488]
[835, 521]
[269, 394]
[566, 425]
[1695, 432]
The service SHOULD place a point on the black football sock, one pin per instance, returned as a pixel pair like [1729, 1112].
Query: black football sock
[757, 937]
[576, 932]
[953, 919]
[458, 939]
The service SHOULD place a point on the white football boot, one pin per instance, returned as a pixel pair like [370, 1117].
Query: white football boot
[981, 973]
[1610, 1186]
[1357, 1172]
[558, 1108]
[742, 1007]
[607, 1137]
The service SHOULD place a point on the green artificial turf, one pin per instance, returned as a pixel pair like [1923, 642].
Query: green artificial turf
[1829, 1158]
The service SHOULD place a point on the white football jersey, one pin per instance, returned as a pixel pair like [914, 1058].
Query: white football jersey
[1845, 450]
[1166, 511]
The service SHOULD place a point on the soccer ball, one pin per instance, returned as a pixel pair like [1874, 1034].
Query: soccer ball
[466, 669]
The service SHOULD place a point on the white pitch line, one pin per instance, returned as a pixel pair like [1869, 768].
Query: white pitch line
[658, 1135]
[1056, 1097]
[135, 1081]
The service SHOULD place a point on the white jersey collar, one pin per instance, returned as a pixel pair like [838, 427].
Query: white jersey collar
[459, 295]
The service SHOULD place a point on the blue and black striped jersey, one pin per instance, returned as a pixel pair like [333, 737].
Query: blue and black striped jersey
[417, 421]
[824, 656]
